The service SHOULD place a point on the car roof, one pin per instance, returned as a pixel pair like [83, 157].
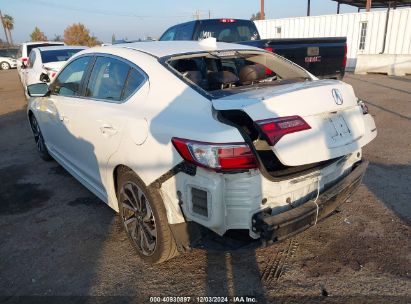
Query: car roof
[61, 47]
[42, 42]
[168, 48]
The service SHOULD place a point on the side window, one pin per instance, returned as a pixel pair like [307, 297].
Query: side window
[169, 34]
[134, 81]
[32, 58]
[107, 79]
[185, 31]
[68, 83]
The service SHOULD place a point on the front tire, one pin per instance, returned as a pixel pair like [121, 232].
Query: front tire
[39, 139]
[144, 219]
[5, 65]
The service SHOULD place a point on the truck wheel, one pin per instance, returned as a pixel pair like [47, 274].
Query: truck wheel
[144, 218]
[4, 65]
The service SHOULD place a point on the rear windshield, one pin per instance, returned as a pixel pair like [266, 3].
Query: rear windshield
[58, 55]
[33, 46]
[228, 30]
[223, 73]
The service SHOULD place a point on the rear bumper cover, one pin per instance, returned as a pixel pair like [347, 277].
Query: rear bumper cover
[281, 226]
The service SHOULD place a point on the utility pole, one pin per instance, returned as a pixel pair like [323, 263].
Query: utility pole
[368, 5]
[308, 7]
[197, 15]
[5, 31]
[262, 14]
[209, 14]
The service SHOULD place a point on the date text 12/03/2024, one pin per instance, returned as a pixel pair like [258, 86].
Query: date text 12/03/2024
[240, 299]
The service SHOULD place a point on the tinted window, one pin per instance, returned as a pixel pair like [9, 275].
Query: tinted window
[69, 80]
[134, 80]
[185, 31]
[12, 53]
[170, 34]
[32, 59]
[33, 46]
[107, 79]
[231, 31]
[57, 55]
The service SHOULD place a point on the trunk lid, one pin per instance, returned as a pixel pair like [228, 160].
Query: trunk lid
[338, 126]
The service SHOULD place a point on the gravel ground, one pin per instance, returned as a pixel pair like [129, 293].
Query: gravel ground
[57, 239]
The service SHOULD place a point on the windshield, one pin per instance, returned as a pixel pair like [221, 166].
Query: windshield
[223, 73]
[58, 55]
[228, 30]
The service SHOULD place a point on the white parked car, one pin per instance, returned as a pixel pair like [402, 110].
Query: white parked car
[25, 49]
[181, 134]
[7, 63]
[45, 62]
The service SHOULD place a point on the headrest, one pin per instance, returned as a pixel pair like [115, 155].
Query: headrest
[250, 73]
[221, 78]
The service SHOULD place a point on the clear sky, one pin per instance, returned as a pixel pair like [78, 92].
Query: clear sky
[134, 19]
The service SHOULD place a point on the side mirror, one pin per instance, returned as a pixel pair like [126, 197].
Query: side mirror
[38, 89]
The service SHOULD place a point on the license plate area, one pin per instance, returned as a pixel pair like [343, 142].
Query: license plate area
[340, 127]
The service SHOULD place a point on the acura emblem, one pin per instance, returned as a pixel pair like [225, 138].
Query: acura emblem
[337, 97]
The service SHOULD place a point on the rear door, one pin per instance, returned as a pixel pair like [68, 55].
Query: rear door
[99, 117]
[336, 123]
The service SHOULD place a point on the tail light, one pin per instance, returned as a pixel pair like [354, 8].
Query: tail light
[275, 128]
[219, 157]
[24, 60]
[345, 57]
[267, 70]
[363, 106]
[225, 20]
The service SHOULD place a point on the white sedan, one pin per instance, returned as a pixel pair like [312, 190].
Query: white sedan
[44, 63]
[7, 63]
[181, 134]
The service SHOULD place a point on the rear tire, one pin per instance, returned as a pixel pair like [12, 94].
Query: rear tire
[4, 65]
[39, 139]
[144, 218]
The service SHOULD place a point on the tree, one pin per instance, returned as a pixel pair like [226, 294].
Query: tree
[78, 34]
[57, 38]
[8, 24]
[38, 35]
[256, 16]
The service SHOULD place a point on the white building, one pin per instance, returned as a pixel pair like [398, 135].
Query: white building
[365, 37]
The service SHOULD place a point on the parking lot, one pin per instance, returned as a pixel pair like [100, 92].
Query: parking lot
[56, 238]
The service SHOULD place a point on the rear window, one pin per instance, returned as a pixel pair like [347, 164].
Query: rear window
[223, 73]
[33, 46]
[228, 30]
[58, 55]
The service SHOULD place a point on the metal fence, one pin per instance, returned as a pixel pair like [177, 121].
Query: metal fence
[364, 31]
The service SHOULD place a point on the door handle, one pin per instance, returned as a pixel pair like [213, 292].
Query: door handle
[107, 129]
[64, 118]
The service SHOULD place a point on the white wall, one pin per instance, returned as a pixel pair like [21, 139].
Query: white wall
[348, 25]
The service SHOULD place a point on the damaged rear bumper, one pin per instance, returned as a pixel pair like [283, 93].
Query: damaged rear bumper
[281, 226]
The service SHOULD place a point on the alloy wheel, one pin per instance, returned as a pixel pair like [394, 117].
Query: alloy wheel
[138, 218]
[5, 66]
[38, 137]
